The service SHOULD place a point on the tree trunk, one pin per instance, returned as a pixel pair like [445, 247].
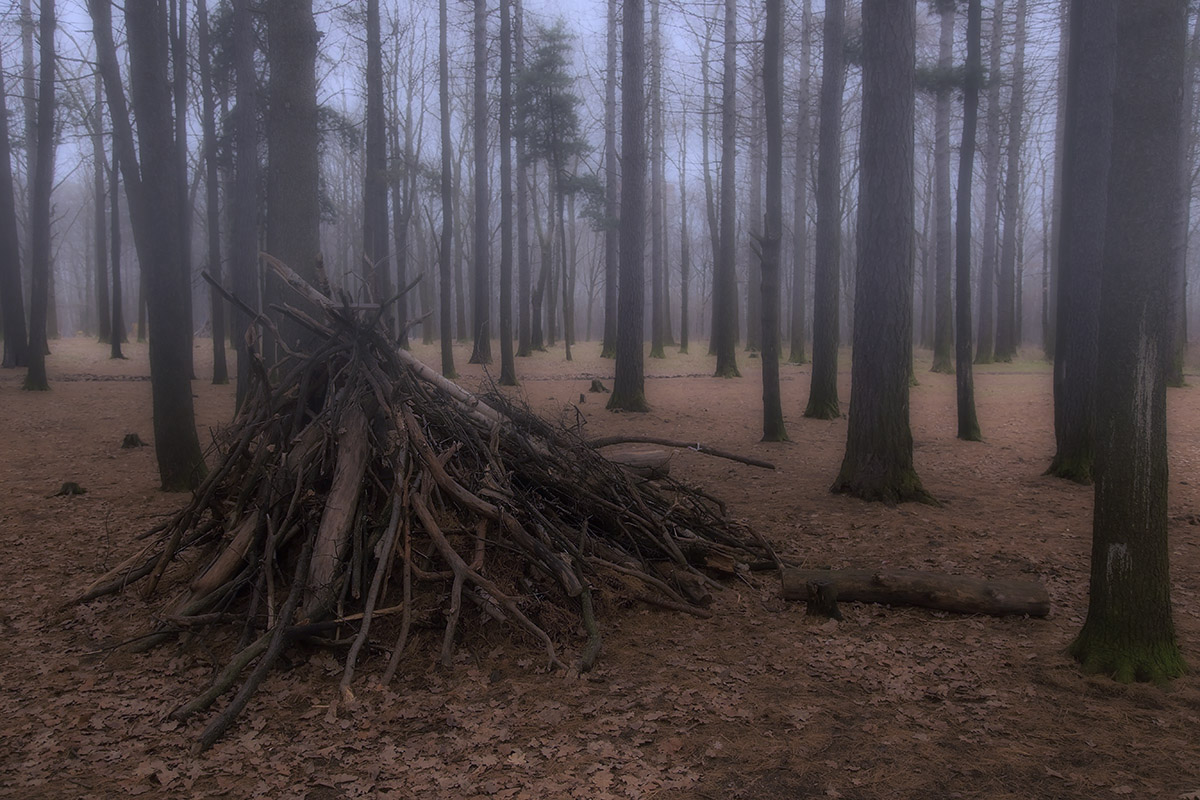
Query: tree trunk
[772, 239]
[244, 207]
[629, 392]
[1086, 148]
[375, 170]
[685, 245]
[960, 594]
[608, 348]
[177, 36]
[1049, 338]
[1008, 337]
[461, 324]
[964, 380]
[43, 182]
[725, 296]
[878, 464]
[293, 195]
[657, 267]
[481, 295]
[943, 308]
[1129, 633]
[799, 321]
[508, 370]
[1187, 165]
[212, 185]
[524, 267]
[100, 218]
[985, 350]
[444, 243]
[823, 389]
[754, 216]
[119, 336]
[153, 207]
[12, 302]
[710, 201]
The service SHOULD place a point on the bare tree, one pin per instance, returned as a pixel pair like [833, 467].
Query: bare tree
[444, 242]
[964, 380]
[985, 350]
[11, 296]
[508, 370]
[43, 182]
[943, 307]
[725, 272]
[244, 207]
[212, 184]
[481, 352]
[799, 321]
[772, 239]
[629, 392]
[657, 257]
[375, 169]
[1008, 331]
[823, 391]
[100, 218]
[608, 348]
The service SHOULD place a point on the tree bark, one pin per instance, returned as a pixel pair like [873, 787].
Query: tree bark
[608, 347]
[878, 464]
[823, 390]
[508, 370]
[212, 194]
[1086, 147]
[799, 321]
[985, 350]
[1187, 165]
[725, 297]
[244, 207]
[629, 392]
[943, 307]
[444, 243]
[960, 594]
[43, 182]
[964, 380]
[1008, 332]
[481, 295]
[100, 217]
[772, 240]
[11, 294]
[177, 37]
[657, 267]
[754, 216]
[685, 244]
[1129, 633]
[119, 336]
[376, 261]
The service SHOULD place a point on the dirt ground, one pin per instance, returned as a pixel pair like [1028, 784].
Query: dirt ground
[758, 702]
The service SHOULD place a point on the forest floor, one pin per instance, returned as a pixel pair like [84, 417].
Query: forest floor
[758, 702]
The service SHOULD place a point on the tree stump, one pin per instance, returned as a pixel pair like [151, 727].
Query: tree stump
[131, 441]
[597, 386]
[822, 600]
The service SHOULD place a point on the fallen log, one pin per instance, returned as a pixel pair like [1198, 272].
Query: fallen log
[699, 447]
[645, 462]
[961, 594]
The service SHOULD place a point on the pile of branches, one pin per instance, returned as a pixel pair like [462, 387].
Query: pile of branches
[357, 485]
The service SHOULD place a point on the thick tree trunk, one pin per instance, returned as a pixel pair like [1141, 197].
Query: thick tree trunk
[1129, 633]
[725, 297]
[799, 321]
[444, 243]
[943, 307]
[39, 224]
[960, 594]
[1051, 282]
[211, 185]
[964, 380]
[12, 302]
[1187, 166]
[772, 240]
[481, 295]
[244, 207]
[1086, 158]
[985, 350]
[608, 347]
[1008, 332]
[629, 392]
[878, 464]
[508, 370]
[823, 391]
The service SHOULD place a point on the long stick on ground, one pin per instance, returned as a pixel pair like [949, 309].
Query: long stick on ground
[699, 447]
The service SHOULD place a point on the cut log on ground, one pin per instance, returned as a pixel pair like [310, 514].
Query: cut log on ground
[699, 447]
[643, 461]
[356, 478]
[960, 594]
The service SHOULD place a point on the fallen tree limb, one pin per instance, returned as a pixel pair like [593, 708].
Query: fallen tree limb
[699, 447]
[960, 594]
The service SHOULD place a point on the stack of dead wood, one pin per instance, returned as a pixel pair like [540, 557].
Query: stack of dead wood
[358, 486]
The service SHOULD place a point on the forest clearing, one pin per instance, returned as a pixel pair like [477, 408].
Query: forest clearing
[760, 701]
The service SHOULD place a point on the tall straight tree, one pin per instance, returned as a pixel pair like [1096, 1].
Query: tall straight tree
[1050, 282]
[524, 267]
[293, 139]
[985, 350]
[1086, 146]
[244, 207]
[629, 393]
[725, 267]
[799, 321]
[153, 208]
[964, 380]
[211, 190]
[1183, 217]
[43, 182]
[11, 297]
[177, 27]
[1008, 333]
[508, 370]
[481, 352]
[657, 266]
[754, 215]
[444, 242]
[685, 244]
[100, 218]
[772, 239]
[375, 168]
[879, 462]
[29, 83]
[1129, 632]
[823, 390]
[943, 306]
[119, 336]
[608, 346]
